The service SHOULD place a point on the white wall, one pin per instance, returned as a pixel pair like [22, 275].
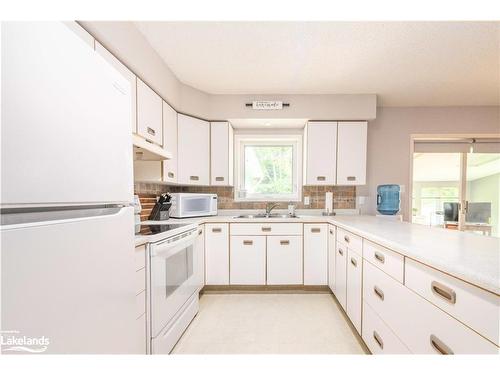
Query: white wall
[389, 141]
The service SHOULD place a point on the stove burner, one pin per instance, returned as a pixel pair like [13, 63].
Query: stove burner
[159, 228]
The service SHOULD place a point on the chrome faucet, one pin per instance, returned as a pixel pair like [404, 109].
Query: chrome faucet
[269, 207]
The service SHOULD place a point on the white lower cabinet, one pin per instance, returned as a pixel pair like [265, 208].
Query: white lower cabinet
[315, 254]
[248, 260]
[331, 257]
[200, 255]
[284, 260]
[217, 254]
[421, 326]
[474, 307]
[378, 336]
[354, 288]
[341, 274]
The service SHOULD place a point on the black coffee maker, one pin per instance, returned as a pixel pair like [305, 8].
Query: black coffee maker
[161, 208]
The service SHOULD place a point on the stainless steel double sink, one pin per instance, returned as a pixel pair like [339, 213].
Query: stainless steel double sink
[266, 216]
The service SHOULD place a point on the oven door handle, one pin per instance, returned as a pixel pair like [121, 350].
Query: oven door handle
[166, 250]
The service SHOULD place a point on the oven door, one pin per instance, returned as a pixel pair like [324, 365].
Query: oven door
[173, 277]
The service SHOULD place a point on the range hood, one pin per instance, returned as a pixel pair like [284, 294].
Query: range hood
[144, 150]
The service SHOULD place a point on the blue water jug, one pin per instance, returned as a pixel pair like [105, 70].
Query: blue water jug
[388, 199]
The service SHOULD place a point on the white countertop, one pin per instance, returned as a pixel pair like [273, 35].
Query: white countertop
[467, 256]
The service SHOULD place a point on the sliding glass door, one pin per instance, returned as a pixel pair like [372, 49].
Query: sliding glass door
[482, 193]
[457, 190]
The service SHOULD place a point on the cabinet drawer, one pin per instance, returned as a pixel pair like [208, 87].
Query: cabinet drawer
[247, 260]
[474, 307]
[388, 261]
[140, 257]
[140, 280]
[140, 304]
[269, 229]
[378, 336]
[284, 260]
[421, 326]
[352, 241]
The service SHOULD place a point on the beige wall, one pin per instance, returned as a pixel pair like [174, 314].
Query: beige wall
[389, 141]
[388, 134]
[125, 41]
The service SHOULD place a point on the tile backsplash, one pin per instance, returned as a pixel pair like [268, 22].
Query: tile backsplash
[344, 197]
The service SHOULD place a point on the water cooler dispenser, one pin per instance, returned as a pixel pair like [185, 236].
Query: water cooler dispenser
[388, 199]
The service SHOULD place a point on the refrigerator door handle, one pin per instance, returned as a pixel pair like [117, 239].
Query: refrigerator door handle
[64, 214]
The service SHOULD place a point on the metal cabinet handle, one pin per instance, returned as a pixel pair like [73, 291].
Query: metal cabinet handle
[200, 232]
[151, 131]
[266, 229]
[171, 174]
[194, 178]
[346, 239]
[216, 230]
[247, 242]
[378, 292]
[341, 252]
[378, 339]
[285, 242]
[331, 231]
[351, 178]
[440, 346]
[315, 230]
[380, 257]
[354, 262]
[219, 178]
[321, 178]
[444, 292]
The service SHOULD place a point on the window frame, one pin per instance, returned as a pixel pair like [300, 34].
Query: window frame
[242, 140]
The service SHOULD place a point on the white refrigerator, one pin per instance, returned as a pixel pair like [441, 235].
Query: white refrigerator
[67, 231]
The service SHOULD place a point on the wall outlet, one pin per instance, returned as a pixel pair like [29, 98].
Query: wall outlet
[306, 201]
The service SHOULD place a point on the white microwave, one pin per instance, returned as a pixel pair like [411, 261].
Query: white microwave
[192, 205]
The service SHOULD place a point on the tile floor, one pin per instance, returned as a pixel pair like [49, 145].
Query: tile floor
[269, 324]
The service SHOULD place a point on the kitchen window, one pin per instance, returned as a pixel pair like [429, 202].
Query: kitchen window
[268, 168]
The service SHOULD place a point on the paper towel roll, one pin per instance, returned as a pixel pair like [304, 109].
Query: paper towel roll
[329, 202]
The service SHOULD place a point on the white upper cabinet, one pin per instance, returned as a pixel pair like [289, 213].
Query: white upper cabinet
[149, 114]
[321, 154]
[351, 153]
[221, 150]
[170, 171]
[129, 76]
[193, 150]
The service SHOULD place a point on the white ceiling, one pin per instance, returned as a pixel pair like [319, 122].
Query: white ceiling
[405, 63]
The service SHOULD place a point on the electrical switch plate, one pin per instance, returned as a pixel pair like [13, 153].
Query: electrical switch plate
[306, 201]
